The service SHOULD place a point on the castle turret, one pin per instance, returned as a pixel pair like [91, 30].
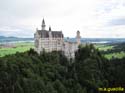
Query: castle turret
[78, 37]
[50, 33]
[43, 25]
[49, 28]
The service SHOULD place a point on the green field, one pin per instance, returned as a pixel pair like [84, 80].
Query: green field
[19, 47]
[115, 55]
[22, 47]
[105, 48]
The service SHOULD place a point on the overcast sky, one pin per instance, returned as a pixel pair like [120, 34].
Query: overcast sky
[93, 18]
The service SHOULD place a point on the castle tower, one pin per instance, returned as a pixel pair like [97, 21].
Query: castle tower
[49, 28]
[43, 25]
[78, 37]
[50, 32]
[50, 42]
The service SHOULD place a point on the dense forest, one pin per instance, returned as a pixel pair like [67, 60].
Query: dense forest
[52, 72]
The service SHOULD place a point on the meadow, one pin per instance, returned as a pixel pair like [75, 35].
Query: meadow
[108, 50]
[112, 50]
[18, 47]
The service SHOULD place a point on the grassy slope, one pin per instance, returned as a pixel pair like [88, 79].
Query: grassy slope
[103, 47]
[115, 55]
[20, 47]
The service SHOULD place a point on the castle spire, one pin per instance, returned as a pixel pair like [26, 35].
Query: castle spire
[43, 25]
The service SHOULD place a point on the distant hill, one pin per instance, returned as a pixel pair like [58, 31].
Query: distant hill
[4, 39]
[12, 39]
[98, 40]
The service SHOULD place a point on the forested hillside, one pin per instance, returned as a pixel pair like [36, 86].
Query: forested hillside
[52, 72]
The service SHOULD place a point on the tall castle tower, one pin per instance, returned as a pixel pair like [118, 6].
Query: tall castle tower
[43, 25]
[78, 37]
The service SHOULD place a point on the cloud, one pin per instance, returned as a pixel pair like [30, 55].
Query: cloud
[8, 29]
[92, 17]
[16, 31]
[117, 22]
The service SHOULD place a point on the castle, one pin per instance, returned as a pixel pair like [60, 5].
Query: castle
[48, 40]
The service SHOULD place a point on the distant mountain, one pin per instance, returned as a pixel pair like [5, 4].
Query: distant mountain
[4, 39]
[11, 39]
[98, 40]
